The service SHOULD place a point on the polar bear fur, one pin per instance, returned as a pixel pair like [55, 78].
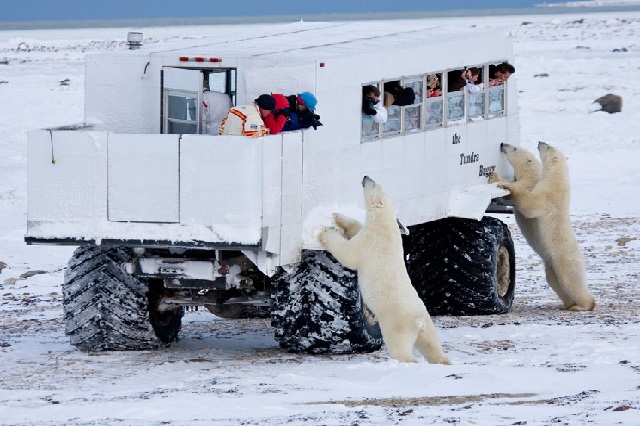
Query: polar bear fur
[375, 251]
[555, 241]
[527, 170]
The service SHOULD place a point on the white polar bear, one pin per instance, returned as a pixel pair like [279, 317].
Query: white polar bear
[375, 251]
[555, 241]
[527, 170]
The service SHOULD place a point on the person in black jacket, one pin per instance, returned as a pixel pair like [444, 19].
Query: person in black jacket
[401, 95]
[371, 105]
[498, 74]
[301, 113]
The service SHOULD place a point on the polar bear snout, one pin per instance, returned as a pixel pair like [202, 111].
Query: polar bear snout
[506, 148]
[542, 145]
[366, 180]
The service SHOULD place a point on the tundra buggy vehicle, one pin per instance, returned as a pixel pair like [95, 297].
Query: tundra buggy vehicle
[168, 215]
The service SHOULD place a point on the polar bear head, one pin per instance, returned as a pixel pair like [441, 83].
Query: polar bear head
[378, 204]
[525, 164]
[554, 163]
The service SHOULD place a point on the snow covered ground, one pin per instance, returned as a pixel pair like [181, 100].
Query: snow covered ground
[537, 365]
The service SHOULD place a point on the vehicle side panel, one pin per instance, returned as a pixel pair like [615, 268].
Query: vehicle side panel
[66, 176]
[143, 178]
[221, 185]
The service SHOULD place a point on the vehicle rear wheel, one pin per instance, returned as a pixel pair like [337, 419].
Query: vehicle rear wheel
[463, 266]
[317, 308]
[107, 309]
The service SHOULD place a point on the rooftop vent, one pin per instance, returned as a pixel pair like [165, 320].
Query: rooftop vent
[134, 40]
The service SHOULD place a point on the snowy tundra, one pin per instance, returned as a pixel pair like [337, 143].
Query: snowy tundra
[537, 365]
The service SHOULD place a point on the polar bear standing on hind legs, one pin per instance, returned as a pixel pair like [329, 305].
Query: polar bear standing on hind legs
[527, 170]
[375, 251]
[555, 241]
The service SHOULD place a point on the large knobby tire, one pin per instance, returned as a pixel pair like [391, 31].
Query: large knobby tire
[463, 266]
[317, 308]
[108, 309]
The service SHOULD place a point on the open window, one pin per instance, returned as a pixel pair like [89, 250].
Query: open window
[456, 84]
[370, 129]
[434, 101]
[413, 110]
[475, 93]
[394, 114]
[498, 74]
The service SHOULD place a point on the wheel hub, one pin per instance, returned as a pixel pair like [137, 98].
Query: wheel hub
[503, 276]
[369, 316]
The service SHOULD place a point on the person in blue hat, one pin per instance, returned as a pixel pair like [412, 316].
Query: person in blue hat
[301, 113]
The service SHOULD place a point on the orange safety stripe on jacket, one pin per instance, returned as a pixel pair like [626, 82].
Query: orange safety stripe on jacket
[239, 114]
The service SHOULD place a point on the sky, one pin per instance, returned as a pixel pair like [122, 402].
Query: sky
[47, 10]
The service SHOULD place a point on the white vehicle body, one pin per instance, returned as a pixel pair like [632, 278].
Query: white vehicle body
[122, 178]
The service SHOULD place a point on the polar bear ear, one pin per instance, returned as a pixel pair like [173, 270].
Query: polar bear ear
[403, 229]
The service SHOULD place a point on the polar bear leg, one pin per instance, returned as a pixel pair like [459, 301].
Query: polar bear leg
[552, 279]
[530, 204]
[429, 345]
[350, 226]
[399, 338]
[571, 279]
[342, 249]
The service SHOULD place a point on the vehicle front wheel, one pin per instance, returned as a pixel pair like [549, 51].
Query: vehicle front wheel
[317, 308]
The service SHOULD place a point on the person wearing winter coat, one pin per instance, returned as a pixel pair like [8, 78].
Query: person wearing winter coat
[243, 120]
[215, 106]
[273, 111]
[371, 105]
[301, 112]
[400, 96]
[473, 86]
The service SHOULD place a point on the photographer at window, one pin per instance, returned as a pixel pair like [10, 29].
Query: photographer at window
[371, 104]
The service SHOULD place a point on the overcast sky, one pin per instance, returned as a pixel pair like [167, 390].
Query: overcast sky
[52, 10]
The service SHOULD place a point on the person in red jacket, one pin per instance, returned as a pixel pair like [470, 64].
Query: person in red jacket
[271, 107]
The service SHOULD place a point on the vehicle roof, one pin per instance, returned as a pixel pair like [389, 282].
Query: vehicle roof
[313, 40]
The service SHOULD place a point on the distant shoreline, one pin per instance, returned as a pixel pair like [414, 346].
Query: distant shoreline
[166, 22]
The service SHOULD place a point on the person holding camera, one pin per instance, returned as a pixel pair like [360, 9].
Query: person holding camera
[372, 106]
[499, 74]
[302, 112]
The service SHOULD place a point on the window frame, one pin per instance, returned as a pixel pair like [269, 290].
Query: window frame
[231, 87]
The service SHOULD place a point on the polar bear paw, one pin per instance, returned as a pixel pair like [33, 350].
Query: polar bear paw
[505, 185]
[494, 178]
[349, 226]
[328, 232]
[444, 361]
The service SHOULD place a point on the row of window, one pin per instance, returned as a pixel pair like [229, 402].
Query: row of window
[437, 101]
[436, 106]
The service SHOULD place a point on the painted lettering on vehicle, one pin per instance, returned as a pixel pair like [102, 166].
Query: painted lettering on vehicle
[486, 171]
[455, 139]
[469, 158]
